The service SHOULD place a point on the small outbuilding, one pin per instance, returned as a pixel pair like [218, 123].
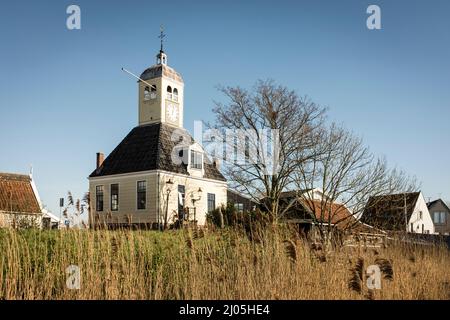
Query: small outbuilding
[20, 205]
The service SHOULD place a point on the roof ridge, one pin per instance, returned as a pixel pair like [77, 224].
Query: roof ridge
[6, 175]
[429, 204]
[14, 174]
[396, 194]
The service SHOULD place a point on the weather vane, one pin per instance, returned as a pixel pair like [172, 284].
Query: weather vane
[161, 36]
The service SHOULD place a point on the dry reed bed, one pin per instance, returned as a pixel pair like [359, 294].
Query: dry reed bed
[190, 264]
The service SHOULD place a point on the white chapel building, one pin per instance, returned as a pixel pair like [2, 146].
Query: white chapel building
[158, 175]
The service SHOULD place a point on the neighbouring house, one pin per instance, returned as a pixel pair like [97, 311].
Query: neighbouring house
[440, 214]
[241, 202]
[20, 205]
[312, 210]
[399, 212]
[50, 221]
[312, 207]
[158, 175]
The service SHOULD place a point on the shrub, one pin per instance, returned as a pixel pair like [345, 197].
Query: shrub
[25, 222]
[249, 220]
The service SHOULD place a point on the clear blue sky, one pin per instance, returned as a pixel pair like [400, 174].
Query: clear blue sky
[63, 96]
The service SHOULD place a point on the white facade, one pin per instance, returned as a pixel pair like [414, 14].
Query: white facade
[162, 197]
[420, 221]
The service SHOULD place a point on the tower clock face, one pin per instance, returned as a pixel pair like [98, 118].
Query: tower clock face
[172, 112]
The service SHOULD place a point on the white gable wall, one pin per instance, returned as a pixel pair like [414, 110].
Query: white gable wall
[36, 193]
[421, 216]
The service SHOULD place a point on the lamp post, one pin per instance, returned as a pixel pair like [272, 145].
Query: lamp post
[169, 184]
[195, 199]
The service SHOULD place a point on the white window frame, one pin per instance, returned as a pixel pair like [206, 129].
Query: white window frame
[192, 163]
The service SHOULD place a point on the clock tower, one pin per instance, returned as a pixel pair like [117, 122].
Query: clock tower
[130, 187]
[161, 93]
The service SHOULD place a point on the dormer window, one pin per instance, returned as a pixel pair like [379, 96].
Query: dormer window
[196, 160]
[169, 92]
[175, 94]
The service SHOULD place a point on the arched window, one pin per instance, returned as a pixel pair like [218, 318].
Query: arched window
[169, 92]
[153, 92]
[175, 94]
[147, 93]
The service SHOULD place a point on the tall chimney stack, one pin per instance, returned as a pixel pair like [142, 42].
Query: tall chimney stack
[100, 159]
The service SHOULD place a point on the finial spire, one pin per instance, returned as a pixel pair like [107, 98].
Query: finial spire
[161, 36]
[161, 57]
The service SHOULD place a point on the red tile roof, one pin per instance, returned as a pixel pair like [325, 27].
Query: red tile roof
[17, 194]
[340, 215]
[326, 212]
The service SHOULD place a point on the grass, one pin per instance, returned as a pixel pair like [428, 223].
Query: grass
[224, 264]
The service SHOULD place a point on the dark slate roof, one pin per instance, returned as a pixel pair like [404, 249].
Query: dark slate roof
[17, 194]
[160, 70]
[150, 147]
[432, 203]
[293, 193]
[388, 211]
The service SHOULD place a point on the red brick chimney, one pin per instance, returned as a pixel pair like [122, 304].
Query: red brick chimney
[100, 159]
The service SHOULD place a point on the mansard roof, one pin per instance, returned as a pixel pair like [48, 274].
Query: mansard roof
[149, 147]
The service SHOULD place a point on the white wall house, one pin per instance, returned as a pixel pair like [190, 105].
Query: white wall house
[420, 220]
[399, 212]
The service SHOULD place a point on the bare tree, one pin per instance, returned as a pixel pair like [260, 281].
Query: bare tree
[347, 173]
[305, 155]
[270, 159]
